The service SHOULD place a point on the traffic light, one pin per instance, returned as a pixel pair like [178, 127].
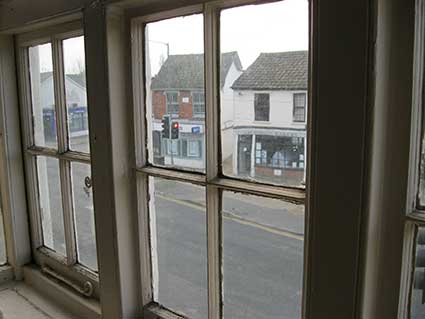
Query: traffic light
[175, 130]
[166, 126]
[419, 277]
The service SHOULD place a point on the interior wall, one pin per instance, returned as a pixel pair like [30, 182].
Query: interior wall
[17, 13]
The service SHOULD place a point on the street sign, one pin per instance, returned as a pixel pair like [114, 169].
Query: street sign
[196, 129]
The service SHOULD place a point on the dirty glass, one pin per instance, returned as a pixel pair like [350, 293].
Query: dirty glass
[76, 94]
[263, 243]
[50, 200]
[82, 193]
[42, 95]
[262, 135]
[175, 91]
[417, 302]
[179, 244]
[3, 257]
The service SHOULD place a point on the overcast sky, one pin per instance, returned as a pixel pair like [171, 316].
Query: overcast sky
[249, 30]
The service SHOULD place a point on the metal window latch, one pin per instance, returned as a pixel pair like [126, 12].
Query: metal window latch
[88, 182]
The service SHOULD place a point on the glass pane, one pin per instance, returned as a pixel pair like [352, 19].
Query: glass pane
[3, 257]
[262, 257]
[76, 94]
[178, 228]
[260, 73]
[42, 95]
[417, 304]
[174, 76]
[50, 199]
[84, 214]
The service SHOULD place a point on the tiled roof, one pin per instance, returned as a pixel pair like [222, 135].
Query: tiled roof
[276, 71]
[80, 79]
[186, 71]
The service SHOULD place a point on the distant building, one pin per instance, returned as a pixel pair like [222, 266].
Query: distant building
[76, 101]
[270, 111]
[178, 91]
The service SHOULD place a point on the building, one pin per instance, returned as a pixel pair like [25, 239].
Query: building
[178, 91]
[269, 130]
[76, 101]
[359, 254]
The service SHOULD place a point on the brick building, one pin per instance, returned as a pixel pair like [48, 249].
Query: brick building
[178, 91]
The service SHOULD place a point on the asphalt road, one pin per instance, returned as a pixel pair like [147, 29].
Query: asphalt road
[262, 268]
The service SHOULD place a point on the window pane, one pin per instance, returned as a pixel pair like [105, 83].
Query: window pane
[3, 256]
[178, 228]
[76, 94]
[50, 200]
[257, 85]
[174, 73]
[417, 303]
[84, 214]
[42, 95]
[262, 257]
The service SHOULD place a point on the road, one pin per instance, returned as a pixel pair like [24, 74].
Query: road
[262, 267]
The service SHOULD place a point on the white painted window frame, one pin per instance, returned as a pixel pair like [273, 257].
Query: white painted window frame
[172, 103]
[255, 106]
[196, 113]
[295, 107]
[65, 266]
[414, 214]
[213, 180]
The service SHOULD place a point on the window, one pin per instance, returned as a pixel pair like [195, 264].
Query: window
[299, 107]
[57, 153]
[262, 106]
[257, 142]
[172, 103]
[175, 87]
[173, 147]
[207, 231]
[3, 255]
[198, 99]
[193, 148]
[412, 292]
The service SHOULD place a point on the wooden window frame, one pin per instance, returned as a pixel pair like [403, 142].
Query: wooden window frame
[213, 180]
[66, 266]
[120, 231]
[414, 215]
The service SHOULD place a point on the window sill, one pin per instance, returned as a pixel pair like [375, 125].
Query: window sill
[61, 295]
[6, 274]
[19, 300]
[154, 311]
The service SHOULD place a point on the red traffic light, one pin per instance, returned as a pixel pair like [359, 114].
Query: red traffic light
[175, 125]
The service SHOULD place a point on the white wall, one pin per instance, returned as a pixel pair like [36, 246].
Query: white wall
[74, 93]
[281, 109]
[227, 111]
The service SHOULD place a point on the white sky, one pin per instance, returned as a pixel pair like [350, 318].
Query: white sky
[249, 30]
[73, 53]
